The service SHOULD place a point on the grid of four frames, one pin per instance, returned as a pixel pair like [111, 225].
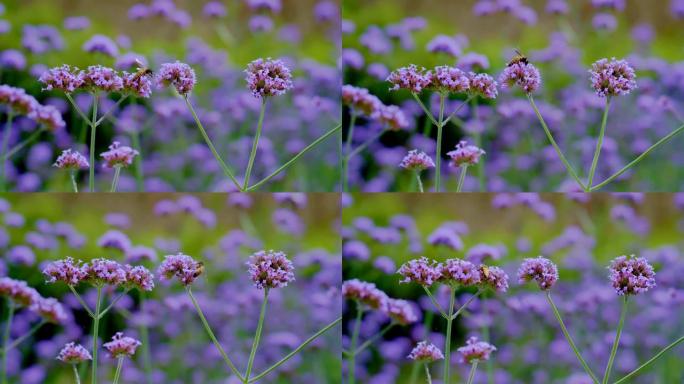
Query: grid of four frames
[341, 191]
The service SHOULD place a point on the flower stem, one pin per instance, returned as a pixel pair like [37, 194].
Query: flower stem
[599, 144]
[74, 184]
[435, 302]
[93, 130]
[420, 183]
[473, 369]
[257, 336]
[569, 339]
[638, 159]
[427, 374]
[355, 337]
[295, 158]
[616, 342]
[96, 334]
[139, 178]
[80, 300]
[347, 150]
[115, 181]
[438, 154]
[478, 143]
[119, 365]
[111, 110]
[255, 144]
[24, 143]
[145, 335]
[651, 360]
[210, 333]
[565, 161]
[5, 339]
[373, 339]
[25, 336]
[365, 144]
[76, 376]
[296, 350]
[461, 177]
[5, 143]
[112, 303]
[209, 143]
[466, 304]
[447, 340]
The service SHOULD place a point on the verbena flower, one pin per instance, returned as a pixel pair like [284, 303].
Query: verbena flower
[102, 78]
[400, 311]
[539, 269]
[448, 79]
[393, 117]
[17, 99]
[493, 277]
[18, 291]
[422, 271]
[631, 275]
[64, 78]
[425, 352]
[446, 237]
[417, 160]
[178, 74]
[114, 239]
[118, 155]
[49, 309]
[184, 267]
[101, 44]
[523, 75]
[267, 77]
[270, 269]
[104, 271]
[67, 271]
[71, 160]
[475, 350]
[459, 272]
[137, 84]
[612, 77]
[139, 277]
[364, 293]
[483, 85]
[48, 116]
[360, 100]
[73, 353]
[465, 154]
[122, 346]
[411, 78]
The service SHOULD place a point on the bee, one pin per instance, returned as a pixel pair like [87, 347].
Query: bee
[142, 70]
[198, 270]
[485, 271]
[518, 58]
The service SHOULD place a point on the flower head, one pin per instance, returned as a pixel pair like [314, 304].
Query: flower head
[104, 271]
[612, 77]
[364, 293]
[449, 79]
[122, 346]
[425, 352]
[392, 116]
[417, 160]
[139, 277]
[411, 78]
[178, 74]
[102, 78]
[459, 271]
[67, 271]
[73, 353]
[47, 115]
[631, 275]
[360, 100]
[493, 277]
[400, 311]
[18, 291]
[118, 155]
[49, 309]
[475, 350]
[64, 78]
[17, 99]
[137, 84]
[524, 75]
[101, 44]
[465, 154]
[422, 271]
[483, 85]
[539, 269]
[270, 269]
[184, 267]
[71, 160]
[266, 77]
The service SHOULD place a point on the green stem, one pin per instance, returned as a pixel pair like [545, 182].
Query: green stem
[347, 150]
[466, 304]
[599, 143]
[295, 158]
[76, 376]
[25, 336]
[96, 335]
[111, 305]
[427, 374]
[447, 340]
[115, 180]
[111, 110]
[5, 143]
[473, 369]
[438, 154]
[420, 183]
[257, 336]
[78, 110]
[461, 177]
[616, 342]
[255, 144]
[365, 144]
[24, 143]
[565, 161]
[80, 300]
[355, 337]
[5, 339]
[569, 339]
[210, 333]
[373, 339]
[145, 336]
[118, 370]
[296, 350]
[428, 114]
[435, 302]
[478, 143]
[139, 179]
[638, 159]
[207, 140]
[651, 360]
[74, 184]
[93, 131]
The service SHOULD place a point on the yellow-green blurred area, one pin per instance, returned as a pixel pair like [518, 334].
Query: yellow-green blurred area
[496, 35]
[159, 35]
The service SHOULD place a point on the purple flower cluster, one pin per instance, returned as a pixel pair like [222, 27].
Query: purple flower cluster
[539, 269]
[422, 271]
[523, 75]
[267, 77]
[417, 160]
[181, 266]
[73, 353]
[118, 155]
[122, 346]
[22, 103]
[631, 275]
[446, 79]
[178, 74]
[411, 78]
[483, 85]
[427, 272]
[101, 44]
[270, 269]
[98, 272]
[64, 78]
[475, 350]
[365, 293]
[69, 79]
[21, 295]
[425, 352]
[465, 154]
[99, 77]
[459, 272]
[612, 77]
[361, 101]
[71, 160]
